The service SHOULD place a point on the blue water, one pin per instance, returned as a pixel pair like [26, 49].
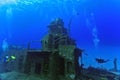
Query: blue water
[95, 24]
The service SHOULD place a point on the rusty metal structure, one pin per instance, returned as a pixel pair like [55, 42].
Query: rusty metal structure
[57, 58]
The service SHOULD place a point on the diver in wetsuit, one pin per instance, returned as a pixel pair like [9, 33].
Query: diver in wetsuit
[99, 60]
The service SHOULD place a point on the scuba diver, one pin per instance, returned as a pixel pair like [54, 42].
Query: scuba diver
[99, 60]
[9, 58]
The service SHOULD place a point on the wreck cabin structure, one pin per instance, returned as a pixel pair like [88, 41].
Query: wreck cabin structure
[58, 55]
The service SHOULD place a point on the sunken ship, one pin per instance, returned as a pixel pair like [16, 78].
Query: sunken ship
[57, 59]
